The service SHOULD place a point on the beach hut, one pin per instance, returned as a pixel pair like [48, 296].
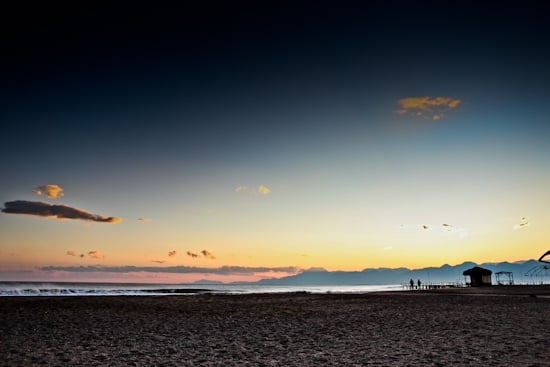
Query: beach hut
[479, 277]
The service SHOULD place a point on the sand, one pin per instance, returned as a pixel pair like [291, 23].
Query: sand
[460, 328]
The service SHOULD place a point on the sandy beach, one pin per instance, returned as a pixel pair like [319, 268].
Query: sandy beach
[506, 327]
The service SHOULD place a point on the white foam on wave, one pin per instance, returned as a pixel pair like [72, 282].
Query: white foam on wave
[102, 289]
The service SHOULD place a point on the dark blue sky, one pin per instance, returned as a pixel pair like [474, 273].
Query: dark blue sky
[202, 74]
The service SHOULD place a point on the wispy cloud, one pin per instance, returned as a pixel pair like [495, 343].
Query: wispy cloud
[51, 191]
[208, 254]
[459, 231]
[427, 107]
[95, 254]
[223, 270]
[241, 189]
[445, 227]
[71, 253]
[144, 220]
[42, 209]
[523, 222]
[158, 261]
[172, 253]
[261, 189]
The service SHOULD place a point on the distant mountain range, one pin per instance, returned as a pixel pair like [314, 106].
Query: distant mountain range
[380, 276]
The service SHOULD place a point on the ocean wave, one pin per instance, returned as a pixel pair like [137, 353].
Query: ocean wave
[30, 289]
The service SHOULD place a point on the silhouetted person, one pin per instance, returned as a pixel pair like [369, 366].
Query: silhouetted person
[412, 283]
[419, 283]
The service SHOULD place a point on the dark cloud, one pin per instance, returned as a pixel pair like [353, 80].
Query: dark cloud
[208, 254]
[223, 270]
[42, 209]
[204, 253]
[172, 253]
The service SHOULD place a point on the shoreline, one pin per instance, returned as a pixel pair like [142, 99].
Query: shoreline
[435, 328]
[541, 290]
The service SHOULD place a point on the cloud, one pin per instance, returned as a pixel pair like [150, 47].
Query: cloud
[71, 253]
[223, 270]
[261, 189]
[204, 253]
[192, 254]
[240, 189]
[172, 253]
[264, 190]
[523, 222]
[95, 254]
[144, 220]
[50, 190]
[208, 254]
[427, 107]
[158, 261]
[445, 227]
[461, 232]
[42, 209]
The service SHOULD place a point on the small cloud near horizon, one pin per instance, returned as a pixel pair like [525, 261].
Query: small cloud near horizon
[205, 253]
[172, 253]
[208, 254]
[71, 253]
[427, 107]
[52, 191]
[95, 254]
[192, 254]
[41, 209]
[222, 270]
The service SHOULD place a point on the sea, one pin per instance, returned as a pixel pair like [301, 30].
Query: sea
[24, 289]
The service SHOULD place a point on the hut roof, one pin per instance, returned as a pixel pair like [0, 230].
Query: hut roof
[477, 270]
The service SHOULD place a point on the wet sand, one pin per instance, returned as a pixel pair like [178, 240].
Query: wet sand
[461, 327]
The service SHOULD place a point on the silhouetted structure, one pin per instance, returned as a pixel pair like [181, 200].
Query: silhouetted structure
[479, 277]
[504, 278]
[547, 253]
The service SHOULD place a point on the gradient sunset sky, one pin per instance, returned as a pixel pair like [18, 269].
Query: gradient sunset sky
[237, 141]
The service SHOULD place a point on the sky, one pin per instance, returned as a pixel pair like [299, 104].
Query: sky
[240, 140]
